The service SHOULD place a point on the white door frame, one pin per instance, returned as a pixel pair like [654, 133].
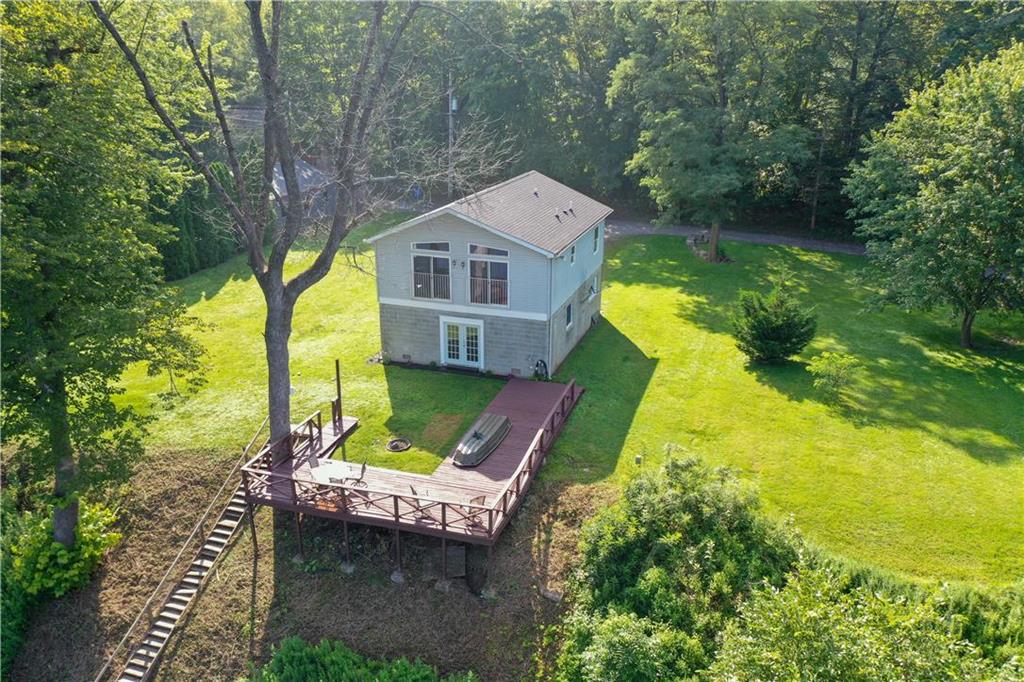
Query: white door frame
[462, 323]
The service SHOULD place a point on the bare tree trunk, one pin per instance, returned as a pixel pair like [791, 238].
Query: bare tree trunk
[277, 330]
[65, 511]
[817, 183]
[966, 338]
[716, 228]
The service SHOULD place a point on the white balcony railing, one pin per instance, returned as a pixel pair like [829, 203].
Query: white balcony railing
[488, 291]
[426, 285]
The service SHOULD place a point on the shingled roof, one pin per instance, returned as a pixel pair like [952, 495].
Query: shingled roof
[530, 208]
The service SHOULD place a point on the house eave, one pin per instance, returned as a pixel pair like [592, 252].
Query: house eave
[450, 210]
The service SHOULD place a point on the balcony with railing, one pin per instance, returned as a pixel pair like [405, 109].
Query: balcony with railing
[426, 285]
[488, 291]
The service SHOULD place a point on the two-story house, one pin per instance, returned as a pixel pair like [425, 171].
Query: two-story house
[506, 280]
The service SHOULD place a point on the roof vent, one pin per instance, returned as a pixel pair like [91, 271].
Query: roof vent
[564, 212]
[535, 192]
[570, 208]
[558, 217]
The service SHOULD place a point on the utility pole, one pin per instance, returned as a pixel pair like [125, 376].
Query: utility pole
[451, 135]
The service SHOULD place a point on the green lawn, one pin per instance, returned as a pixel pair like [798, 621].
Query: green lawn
[922, 472]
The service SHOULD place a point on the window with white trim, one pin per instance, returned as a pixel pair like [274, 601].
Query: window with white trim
[593, 288]
[572, 254]
[431, 277]
[488, 282]
[597, 238]
[479, 250]
[430, 246]
[568, 316]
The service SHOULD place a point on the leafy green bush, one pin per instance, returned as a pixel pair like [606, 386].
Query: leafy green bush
[15, 602]
[624, 647]
[298, 661]
[991, 619]
[198, 242]
[773, 327]
[833, 372]
[41, 565]
[680, 550]
[816, 627]
[666, 572]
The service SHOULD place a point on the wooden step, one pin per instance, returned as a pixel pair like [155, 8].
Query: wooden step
[140, 670]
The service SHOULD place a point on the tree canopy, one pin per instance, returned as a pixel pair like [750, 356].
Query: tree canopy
[940, 196]
[81, 286]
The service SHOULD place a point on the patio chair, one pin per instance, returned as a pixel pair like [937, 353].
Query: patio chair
[473, 515]
[358, 480]
[421, 512]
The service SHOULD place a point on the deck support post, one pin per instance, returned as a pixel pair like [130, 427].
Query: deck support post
[444, 558]
[252, 525]
[396, 575]
[298, 533]
[347, 566]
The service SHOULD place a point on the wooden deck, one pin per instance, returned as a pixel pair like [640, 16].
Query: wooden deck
[468, 504]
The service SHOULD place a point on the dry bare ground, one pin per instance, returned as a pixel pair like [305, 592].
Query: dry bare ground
[252, 601]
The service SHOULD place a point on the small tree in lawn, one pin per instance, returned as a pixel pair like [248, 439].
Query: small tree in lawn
[772, 327]
[940, 196]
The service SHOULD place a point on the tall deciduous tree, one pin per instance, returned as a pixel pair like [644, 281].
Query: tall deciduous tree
[373, 69]
[940, 196]
[704, 77]
[81, 287]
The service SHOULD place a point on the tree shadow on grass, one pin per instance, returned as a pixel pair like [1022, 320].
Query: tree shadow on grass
[433, 408]
[914, 375]
[615, 374]
[206, 284]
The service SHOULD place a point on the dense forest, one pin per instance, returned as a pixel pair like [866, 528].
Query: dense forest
[749, 113]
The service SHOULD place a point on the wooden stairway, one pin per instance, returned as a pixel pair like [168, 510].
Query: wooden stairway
[143, 660]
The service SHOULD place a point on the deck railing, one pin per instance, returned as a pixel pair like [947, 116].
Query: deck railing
[488, 291]
[426, 285]
[356, 501]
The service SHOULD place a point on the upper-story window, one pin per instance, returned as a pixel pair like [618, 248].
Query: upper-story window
[477, 249]
[488, 275]
[597, 238]
[430, 246]
[572, 254]
[431, 275]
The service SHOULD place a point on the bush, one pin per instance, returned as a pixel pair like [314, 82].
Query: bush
[298, 661]
[833, 372]
[198, 242]
[15, 602]
[680, 550]
[773, 327]
[818, 628]
[43, 566]
[666, 572]
[623, 647]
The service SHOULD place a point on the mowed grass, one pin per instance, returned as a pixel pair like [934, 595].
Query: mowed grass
[337, 318]
[921, 472]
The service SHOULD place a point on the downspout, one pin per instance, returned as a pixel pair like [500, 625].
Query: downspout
[551, 329]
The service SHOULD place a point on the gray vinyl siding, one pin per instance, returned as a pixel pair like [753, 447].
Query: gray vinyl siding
[527, 269]
[586, 310]
[567, 277]
[510, 346]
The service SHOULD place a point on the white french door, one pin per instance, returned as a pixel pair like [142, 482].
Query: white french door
[462, 342]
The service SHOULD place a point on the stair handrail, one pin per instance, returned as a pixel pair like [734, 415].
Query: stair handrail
[188, 541]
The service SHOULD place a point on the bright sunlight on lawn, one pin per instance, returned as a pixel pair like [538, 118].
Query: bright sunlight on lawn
[920, 472]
